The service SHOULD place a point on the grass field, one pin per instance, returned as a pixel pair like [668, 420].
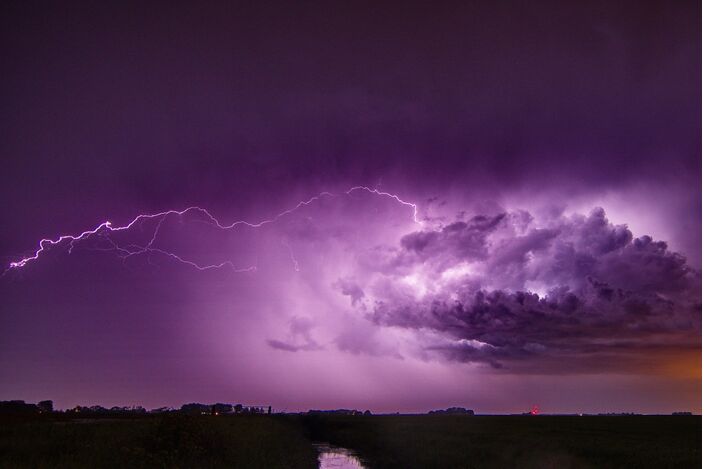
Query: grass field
[259, 441]
[516, 442]
[165, 442]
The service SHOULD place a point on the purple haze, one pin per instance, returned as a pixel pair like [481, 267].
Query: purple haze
[528, 230]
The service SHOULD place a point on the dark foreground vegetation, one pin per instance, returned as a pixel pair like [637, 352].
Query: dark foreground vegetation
[448, 441]
[166, 441]
[175, 440]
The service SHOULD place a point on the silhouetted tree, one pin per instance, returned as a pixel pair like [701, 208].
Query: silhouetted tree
[17, 407]
[220, 408]
[46, 406]
[195, 408]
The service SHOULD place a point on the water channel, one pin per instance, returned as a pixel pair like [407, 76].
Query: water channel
[330, 457]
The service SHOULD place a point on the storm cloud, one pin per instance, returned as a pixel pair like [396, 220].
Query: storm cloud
[510, 289]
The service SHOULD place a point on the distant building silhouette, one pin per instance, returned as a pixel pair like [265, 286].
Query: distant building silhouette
[161, 410]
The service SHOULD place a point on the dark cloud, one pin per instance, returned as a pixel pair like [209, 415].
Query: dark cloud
[280, 345]
[300, 337]
[465, 240]
[349, 287]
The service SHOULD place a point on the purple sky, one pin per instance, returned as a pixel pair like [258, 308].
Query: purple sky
[528, 229]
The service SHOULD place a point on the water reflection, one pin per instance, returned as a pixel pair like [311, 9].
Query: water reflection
[339, 458]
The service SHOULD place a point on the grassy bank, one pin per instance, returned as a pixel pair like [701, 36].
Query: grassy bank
[515, 442]
[165, 441]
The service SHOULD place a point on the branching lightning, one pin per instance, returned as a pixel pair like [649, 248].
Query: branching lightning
[105, 228]
[387, 194]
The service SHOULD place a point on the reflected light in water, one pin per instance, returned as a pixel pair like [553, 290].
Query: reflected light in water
[339, 458]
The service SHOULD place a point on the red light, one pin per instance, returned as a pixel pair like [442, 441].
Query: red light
[534, 410]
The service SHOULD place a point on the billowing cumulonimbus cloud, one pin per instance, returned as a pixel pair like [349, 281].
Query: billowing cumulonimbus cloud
[513, 291]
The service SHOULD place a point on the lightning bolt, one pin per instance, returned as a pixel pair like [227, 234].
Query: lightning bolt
[105, 228]
[392, 196]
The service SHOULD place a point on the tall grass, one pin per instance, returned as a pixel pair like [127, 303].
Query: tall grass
[515, 442]
[170, 441]
[258, 441]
